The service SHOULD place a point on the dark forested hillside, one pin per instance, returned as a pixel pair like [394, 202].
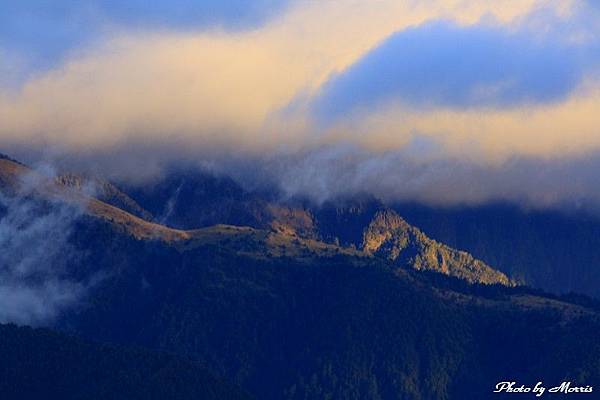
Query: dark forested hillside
[188, 198]
[336, 327]
[342, 301]
[40, 364]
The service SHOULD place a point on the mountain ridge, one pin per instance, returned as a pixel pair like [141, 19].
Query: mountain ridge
[298, 310]
[286, 230]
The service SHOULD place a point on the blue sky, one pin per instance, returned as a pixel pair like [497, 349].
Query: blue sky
[41, 33]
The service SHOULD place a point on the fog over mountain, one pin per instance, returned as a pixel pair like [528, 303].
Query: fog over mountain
[34, 253]
[333, 171]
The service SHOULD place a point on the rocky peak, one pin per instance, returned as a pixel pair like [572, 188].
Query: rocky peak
[391, 237]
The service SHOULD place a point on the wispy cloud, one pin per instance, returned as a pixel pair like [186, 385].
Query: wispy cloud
[35, 252]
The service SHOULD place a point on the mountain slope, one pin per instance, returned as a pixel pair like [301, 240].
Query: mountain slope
[198, 198]
[291, 317]
[40, 364]
[334, 327]
[282, 229]
[104, 191]
[189, 199]
[18, 181]
[389, 236]
[550, 249]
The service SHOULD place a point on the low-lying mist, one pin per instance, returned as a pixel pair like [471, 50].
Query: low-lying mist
[338, 170]
[35, 255]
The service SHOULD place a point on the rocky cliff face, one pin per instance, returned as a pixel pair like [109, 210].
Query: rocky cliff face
[391, 237]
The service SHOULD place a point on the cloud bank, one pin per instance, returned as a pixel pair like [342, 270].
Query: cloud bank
[443, 65]
[214, 84]
[424, 92]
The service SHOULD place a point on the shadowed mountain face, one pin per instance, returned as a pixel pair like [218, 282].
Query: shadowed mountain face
[195, 200]
[553, 250]
[104, 191]
[40, 364]
[186, 199]
[339, 327]
[344, 301]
